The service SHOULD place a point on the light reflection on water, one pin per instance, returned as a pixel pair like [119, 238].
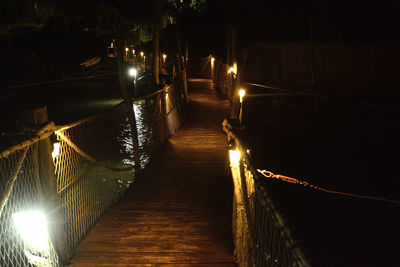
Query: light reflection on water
[143, 114]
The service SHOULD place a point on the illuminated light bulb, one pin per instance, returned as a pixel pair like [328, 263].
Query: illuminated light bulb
[133, 51]
[133, 72]
[32, 227]
[56, 150]
[164, 56]
[126, 49]
[242, 93]
[234, 157]
[212, 60]
[142, 54]
[166, 96]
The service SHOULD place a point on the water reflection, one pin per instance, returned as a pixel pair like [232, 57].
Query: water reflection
[143, 113]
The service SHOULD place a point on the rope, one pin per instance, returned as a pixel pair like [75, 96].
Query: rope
[45, 132]
[87, 156]
[287, 179]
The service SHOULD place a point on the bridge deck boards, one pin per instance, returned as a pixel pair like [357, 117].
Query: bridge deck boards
[178, 212]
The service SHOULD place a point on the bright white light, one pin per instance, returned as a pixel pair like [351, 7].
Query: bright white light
[164, 56]
[36, 260]
[133, 72]
[212, 60]
[32, 227]
[133, 51]
[142, 53]
[56, 150]
[234, 157]
[126, 49]
[242, 93]
[166, 96]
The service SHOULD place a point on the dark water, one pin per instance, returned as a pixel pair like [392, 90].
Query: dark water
[342, 153]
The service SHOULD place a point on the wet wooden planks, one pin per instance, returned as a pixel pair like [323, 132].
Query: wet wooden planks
[178, 212]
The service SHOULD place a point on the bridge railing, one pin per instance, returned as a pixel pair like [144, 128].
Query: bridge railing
[260, 235]
[55, 186]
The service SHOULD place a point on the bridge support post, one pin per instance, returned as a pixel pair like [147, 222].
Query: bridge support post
[49, 201]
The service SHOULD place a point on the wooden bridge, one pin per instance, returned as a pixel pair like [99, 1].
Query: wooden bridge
[178, 211]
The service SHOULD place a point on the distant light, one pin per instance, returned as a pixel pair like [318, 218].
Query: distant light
[164, 56]
[56, 150]
[212, 60]
[126, 49]
[133, 51]
[234, 157]
[32, 227]
[132, 72]
[232, 70]
[242, 93]
[166, 96]
[141, 53]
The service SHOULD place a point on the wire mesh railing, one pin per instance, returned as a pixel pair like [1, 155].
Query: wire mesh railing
[55, 186]
[260, 235]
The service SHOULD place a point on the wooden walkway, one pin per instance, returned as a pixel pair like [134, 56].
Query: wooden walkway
[178, 212]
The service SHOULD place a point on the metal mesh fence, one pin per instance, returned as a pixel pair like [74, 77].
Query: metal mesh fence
[260, 235]
[71, 175]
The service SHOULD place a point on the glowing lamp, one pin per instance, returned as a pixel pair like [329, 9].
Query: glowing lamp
[234, 157]
[56, 150]
[132, 72]
[32, 227]
[164, 56]
[242, 93]
[141, 53]
[133, 51]
[166, 96]
[126, 49]
[212, 60]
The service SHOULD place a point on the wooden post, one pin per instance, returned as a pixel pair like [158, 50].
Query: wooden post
[165, 131]
[156, 43]
[50, 200]
[182, 64]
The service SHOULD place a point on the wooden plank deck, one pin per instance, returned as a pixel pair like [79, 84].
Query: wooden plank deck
[178, 212]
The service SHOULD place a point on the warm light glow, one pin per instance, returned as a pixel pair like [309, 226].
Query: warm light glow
[133, 51]
[234, 157]
[141, 53]
[242, 93]
[166, 96]
[212, 60]
[56, 150]
[126, 49]
[32, 227]
[234, 68]
[133, 72]
[164, 56]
